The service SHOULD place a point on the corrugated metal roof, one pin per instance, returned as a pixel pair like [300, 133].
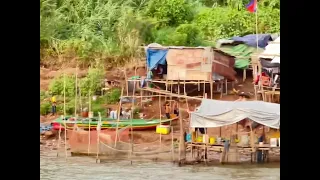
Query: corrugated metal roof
[242, 53]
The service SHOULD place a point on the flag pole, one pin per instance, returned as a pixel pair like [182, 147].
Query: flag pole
[257, 25]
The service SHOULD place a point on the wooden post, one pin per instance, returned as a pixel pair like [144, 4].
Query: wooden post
[160, 108]
[172, 144]
[98, 138]
[141, 100]
[204, 88]
[132, 109]
[126, 79]
[89, 137]
[76, 94]
[185, 93]
[226, 81]
[204, 145]
[181, 143]
[237, 129]
[80, 98]
[171, 90]
[221, 88]
[118, 118]
[166, 84]
[64, 114]
[211, 87]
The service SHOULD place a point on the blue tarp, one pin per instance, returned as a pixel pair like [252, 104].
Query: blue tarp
[251, 40]
[155, 57]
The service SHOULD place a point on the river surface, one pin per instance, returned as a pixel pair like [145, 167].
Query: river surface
[85, 168]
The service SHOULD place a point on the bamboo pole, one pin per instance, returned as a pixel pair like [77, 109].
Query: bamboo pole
[89, 137]
[185, 93]
[132, 109]
[181, 142]
[171, 94]
[76, 94]
[64, 115]
[98, 139]
[204, 89]
[204, 144]
[172, 144]
[59, 140]
[166, 84]
[211, 87]
[171, 90]
[126, 79]
[80, 98]
[118, 118]
[160, 111]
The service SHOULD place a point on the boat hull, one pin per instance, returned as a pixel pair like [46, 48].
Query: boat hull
[147, 125]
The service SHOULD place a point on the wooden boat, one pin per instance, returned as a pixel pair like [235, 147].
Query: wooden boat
[107, 123]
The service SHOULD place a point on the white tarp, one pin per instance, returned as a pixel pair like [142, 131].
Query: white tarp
[272, 51]
[214, 113]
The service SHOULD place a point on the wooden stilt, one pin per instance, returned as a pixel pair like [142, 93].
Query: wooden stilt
[160, 108]
[211, 87]
[118, 118]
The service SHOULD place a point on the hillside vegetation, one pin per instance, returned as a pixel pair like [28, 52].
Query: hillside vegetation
[111, 31]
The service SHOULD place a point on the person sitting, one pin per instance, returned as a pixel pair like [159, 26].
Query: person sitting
[176, 108]
[113, 114]
[167, 110]
[126, 114]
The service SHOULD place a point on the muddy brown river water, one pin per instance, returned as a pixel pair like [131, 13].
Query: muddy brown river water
[85, 168]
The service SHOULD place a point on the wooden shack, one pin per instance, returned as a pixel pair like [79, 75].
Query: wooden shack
[198, 63]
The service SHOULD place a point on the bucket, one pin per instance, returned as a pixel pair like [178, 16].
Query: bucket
[94, 98]
[85, 114]
[90, 114]
[212, 140]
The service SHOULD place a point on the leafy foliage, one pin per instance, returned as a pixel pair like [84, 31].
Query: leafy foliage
[56, 87]
[112, 31]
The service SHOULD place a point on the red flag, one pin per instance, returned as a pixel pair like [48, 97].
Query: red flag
[252, 6]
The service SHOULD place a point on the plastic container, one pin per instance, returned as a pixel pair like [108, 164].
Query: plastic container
[163, 129]
[212, 140]
[193, 138]
[199, 139]
[188, 137]
[205, 138]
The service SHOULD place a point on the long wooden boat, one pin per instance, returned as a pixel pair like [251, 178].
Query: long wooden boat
[107, 123]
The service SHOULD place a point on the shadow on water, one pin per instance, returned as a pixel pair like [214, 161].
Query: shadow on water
[52, 168]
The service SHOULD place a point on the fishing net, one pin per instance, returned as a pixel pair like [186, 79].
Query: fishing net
[82, 141]
[86, 143]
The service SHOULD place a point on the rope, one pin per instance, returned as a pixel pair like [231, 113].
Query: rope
[140, 143]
